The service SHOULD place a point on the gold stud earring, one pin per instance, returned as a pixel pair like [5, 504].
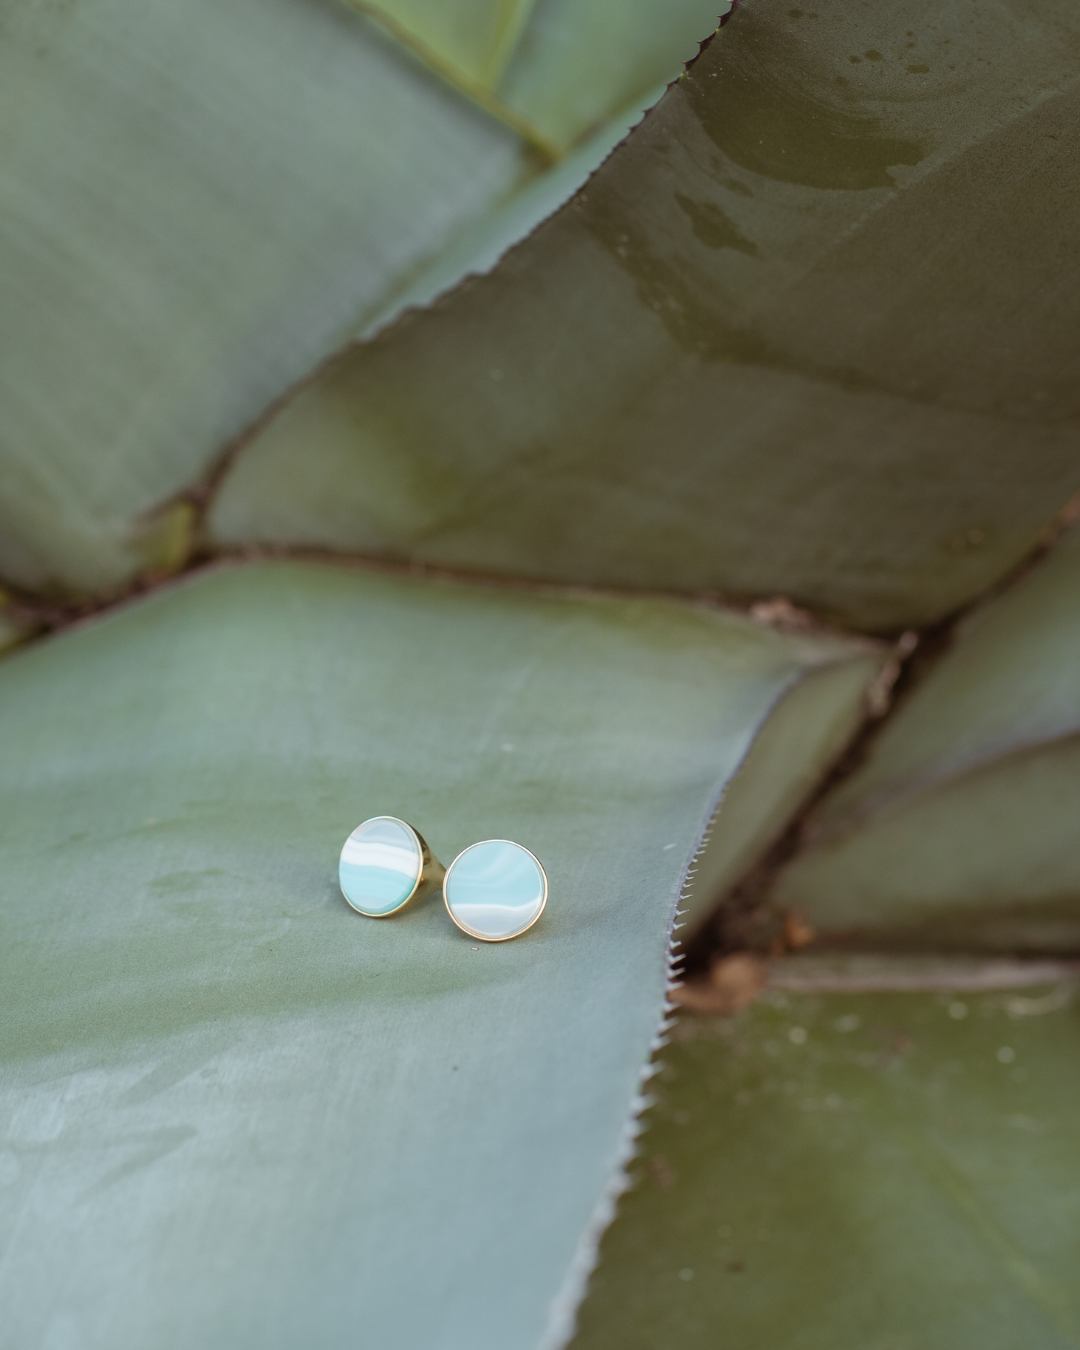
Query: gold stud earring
[495, 890]
[385, 866]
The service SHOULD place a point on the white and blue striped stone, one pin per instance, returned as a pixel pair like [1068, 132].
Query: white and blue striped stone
[495, 890]
[380, 866]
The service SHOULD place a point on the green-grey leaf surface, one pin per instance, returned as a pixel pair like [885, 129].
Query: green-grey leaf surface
[560, 68]
[471, 41]
[886, 1171]
[197, 207]
[12, 626]
[959, 827]
[236, 1113]
[810, 331]
[577, 62]
[799, 744]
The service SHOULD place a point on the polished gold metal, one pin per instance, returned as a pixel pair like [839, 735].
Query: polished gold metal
[487, 937]
[429, 877]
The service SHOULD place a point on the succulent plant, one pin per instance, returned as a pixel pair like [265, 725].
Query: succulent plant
[399, 418]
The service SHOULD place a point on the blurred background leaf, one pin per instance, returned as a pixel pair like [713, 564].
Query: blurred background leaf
[794, 751]
[13, 627]
[815, 299]
[878, 1170]
[555, 69]
[198, 207]
[958, 829]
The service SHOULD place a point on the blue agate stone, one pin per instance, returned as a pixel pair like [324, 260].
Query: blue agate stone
[380, 866]
[495, 890]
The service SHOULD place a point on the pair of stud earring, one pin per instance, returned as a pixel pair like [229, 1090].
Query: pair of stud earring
[494, 890]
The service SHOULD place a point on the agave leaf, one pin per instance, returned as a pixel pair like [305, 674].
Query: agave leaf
[576, 63]
[574, 118]
[13, 627]
[959, 828]
[332, 1127]
[875, 1170]
[805, 734]
[555, 70]
[723, 339]
[195, 210]
[471, 41]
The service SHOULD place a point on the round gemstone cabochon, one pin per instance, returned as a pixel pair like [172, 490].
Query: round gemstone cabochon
[380, 866]
[495, 890]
